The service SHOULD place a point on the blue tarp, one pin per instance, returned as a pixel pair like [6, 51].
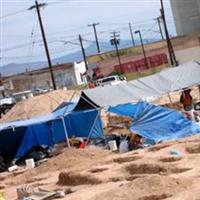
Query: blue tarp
[17, 137]
[39, 119]
[155, 122]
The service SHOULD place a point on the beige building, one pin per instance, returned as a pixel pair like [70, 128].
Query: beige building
[65, 75]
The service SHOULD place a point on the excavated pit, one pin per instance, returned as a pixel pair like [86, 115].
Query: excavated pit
[126, 159]
[156, 197]
[153, 169]
[73, 179]
[170, 159]
[97, 170]
[193, 149]
[157, 148]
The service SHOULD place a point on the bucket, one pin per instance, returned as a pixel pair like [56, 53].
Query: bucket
[13, 168]
[112, 145]
[23, 97]
[30, 95]
[30, 163]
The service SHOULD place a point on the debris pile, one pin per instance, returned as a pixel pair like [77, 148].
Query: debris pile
[118, 125]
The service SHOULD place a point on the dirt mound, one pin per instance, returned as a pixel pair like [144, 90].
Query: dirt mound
[38, 105]
[75, 158]
[74, 179]
[193, 149]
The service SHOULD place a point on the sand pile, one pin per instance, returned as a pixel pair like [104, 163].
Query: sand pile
[38, 105]
[71, 159]
[74, 158]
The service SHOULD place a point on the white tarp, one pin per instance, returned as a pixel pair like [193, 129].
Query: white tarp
[162, 83]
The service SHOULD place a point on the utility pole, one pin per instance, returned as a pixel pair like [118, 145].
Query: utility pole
[159, 26]
[172, 56]
[95, 34]
[37, 6]
[115, 41]
[83, 51]
[131, 32]
[143, 50]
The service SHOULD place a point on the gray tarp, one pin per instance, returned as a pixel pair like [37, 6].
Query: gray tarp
[162, 83]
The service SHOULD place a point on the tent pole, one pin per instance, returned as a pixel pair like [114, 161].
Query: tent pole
[170, 99]
[90, 133]
[90, 102]
[199, 91]
[69, 101]
[65, 130]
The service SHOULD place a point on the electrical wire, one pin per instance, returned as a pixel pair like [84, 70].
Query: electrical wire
[14, 13]
[33, 36]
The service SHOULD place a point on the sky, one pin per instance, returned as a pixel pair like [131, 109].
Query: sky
[20, 36]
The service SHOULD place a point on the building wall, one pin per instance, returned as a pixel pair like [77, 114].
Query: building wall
[79, 69]
[186, 16]
[64, 76]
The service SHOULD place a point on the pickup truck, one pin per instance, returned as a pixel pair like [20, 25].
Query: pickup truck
[110, 80]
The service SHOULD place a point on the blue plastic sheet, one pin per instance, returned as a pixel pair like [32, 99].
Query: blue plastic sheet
[36, 135]
[157, 123]
[16, 138]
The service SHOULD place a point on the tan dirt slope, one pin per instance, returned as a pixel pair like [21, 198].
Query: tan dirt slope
[38, 105]
[96, 174]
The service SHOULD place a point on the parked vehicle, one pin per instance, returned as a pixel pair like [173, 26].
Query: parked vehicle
[110, 80]
[37, 91]
[6, 104]
[18, 96]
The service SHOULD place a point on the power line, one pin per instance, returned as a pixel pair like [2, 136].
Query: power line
[12, 14]
[146, 31]
[33, 36]
[24, 10]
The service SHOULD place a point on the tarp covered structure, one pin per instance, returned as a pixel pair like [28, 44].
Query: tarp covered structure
[17, 137]
[155, 122]
[157, 85]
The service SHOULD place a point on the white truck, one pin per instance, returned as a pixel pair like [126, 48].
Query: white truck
[110, 80]
[6, 104]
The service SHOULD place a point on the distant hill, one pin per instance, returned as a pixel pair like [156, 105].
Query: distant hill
[16, 68]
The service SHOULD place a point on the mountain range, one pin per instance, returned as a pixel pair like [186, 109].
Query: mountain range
[16, 68]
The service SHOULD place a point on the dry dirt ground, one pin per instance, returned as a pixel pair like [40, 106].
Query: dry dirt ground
[96, 174]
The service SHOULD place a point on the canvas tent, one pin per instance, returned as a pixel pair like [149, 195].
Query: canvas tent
[17, 137]
[156, 123]
[157, 85]
[147, 117]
